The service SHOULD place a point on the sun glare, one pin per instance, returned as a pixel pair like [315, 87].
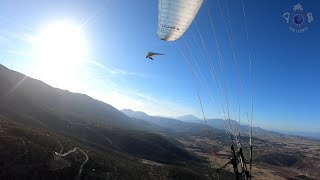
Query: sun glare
[59, 51]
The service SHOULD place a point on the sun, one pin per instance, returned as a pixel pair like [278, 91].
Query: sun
[59, 50]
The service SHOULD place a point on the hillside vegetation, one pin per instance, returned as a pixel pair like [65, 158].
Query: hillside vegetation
[38, 121]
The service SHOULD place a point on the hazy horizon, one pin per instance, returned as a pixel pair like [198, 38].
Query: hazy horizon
[107, 58]
[166, 89]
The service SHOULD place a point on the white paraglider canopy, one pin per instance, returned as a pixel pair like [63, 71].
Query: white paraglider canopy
[175, 17]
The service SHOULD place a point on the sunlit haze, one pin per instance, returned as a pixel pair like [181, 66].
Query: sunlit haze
[99, 47]
[59, 51]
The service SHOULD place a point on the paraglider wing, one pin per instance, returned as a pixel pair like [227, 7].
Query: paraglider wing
[175, 17]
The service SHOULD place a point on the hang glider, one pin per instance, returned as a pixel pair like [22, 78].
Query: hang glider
[151, 54]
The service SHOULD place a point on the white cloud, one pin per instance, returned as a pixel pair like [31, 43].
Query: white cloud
[96, 63]
[122, 72]
[16, 36]
[10, 40]
[20, 53]
[116, 71]
[4, 39]
[15, 23]
[104, 83]
[140, 101]
[148, 104]
[109, 89]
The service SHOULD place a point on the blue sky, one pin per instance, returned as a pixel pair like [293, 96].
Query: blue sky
[119, 33]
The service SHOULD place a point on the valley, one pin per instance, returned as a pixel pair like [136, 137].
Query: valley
[48, 133]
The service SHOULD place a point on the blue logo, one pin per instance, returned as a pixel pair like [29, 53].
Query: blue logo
[298, 19]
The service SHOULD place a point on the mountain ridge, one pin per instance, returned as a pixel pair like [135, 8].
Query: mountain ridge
[31, 109]
[215, 123]
[188, 118]
[173, 125]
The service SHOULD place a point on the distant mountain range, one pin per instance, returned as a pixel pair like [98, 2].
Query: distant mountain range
[189, 118]
[172, 125]
[315, 135]
[190, 121]
[34, 117]
[220, 124]
[37, 121]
